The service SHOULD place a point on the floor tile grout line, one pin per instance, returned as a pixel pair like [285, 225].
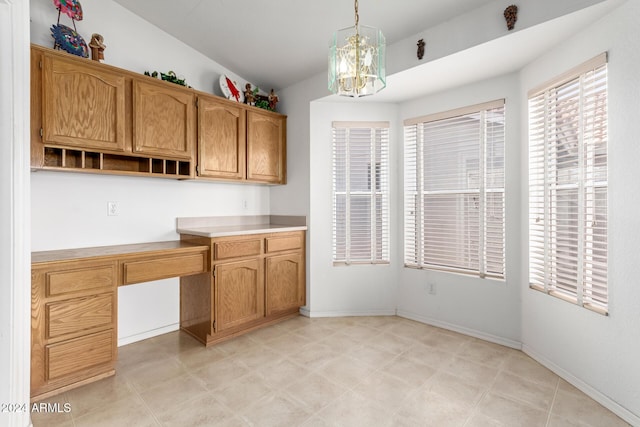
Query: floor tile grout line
[144, 402]
[474, 410]
[553, 401]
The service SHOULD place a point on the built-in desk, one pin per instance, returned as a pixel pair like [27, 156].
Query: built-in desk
[236, 274]
[74, 305]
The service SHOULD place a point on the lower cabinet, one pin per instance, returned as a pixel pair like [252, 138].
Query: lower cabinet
[257, 279]
[239, 293]
[73, 324]
[284, 281]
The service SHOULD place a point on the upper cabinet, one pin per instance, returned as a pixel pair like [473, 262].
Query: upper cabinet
[83, 105]
[163, 119]
[240, 143]
[221, 139]
[266, 147]
[92, 117]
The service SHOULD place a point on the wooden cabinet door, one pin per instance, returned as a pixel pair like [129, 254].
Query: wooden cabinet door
[83, 106]
[239, 293]
[285, 282]
[221, 139]
[163, 120]
[266, 147]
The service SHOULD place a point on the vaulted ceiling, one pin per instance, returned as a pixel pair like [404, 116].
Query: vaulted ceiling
[274, 44]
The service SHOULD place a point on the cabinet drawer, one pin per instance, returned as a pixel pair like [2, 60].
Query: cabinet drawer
[284, 243]
[79, 314]
[74, 356]
[236, 248]
[163, 267]
[80, 279]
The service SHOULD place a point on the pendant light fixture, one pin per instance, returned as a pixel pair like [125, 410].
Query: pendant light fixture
[357, 60]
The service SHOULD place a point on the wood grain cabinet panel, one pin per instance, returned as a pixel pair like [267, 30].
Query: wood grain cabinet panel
[221, 139]
[163, 267]
[71, 358]
[236, 248]
[275, 244]
[79, 314]
[91, 277]
[266, 147]
[163, 120]
[285, 285]
[239, 293]
[83, 105]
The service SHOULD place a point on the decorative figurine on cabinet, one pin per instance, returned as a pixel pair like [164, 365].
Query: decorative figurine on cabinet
[66, 38]
[273, 100]
[97, 47]
[249, 97]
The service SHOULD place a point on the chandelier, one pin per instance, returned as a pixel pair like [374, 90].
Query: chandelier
[356, 60]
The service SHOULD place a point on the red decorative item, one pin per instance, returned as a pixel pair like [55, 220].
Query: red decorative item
[234, 90]
[71, 8]
[230, 89]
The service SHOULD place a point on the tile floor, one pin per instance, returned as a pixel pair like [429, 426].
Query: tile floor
[355, 371]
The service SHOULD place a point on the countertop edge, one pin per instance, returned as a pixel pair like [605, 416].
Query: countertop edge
[234, 231]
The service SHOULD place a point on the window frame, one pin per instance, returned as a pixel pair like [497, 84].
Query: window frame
[553, 244]
[415, 182]
[378, 195]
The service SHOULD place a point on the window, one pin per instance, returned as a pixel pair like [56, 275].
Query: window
[454, 191]
[360, 192]
[568, 186]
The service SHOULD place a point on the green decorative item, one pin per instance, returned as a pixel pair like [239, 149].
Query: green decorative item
[261, 101]
[170, 76]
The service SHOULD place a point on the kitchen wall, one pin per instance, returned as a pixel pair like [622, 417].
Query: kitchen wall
[354, 289]
[596, 353]
[70, 210]
[599, 354]
[485, 308]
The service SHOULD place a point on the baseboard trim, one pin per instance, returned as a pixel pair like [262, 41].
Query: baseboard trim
[605, 401]
[347, 313]
[461, 329]
[148, 334]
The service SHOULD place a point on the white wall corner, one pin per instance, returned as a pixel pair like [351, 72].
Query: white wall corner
[605, 401]
[15, 252]
[460, 329]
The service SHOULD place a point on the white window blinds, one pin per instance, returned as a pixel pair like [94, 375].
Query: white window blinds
[454, 191]
[568, 186]
[360, 192]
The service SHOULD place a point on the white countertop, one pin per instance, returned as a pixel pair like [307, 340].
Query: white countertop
[235, 226]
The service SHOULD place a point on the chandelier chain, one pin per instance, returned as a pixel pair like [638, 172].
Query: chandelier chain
[357, 16]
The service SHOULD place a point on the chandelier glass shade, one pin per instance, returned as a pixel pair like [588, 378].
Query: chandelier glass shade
[357, 60]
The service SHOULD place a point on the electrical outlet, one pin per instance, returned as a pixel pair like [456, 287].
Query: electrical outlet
[432, 289]
[113, 209]
[245, 204]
